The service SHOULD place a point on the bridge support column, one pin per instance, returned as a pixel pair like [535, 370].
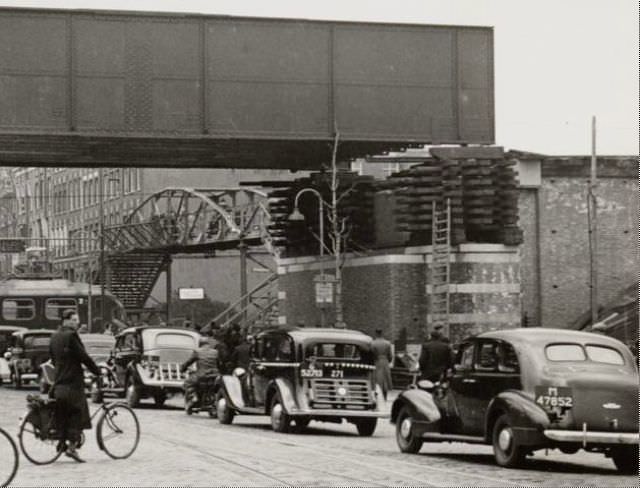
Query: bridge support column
[242, 247]
[167, 270]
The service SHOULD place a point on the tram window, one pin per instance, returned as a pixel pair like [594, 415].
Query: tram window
[18, 309]
[55, 306]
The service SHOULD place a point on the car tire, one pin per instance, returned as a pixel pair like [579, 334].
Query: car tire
[366, 427]
[407, 441]
[132, 394]
[280, 420]
[626, 459]
[225, 413]
[506, 450]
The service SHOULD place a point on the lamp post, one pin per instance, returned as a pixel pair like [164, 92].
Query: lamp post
[296, 215]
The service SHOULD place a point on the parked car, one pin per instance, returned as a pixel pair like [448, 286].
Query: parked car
[98, 346]
[305, 374]
[404, 370]
[27, 351]
[145, 362]
[522, 390]
[6, 331]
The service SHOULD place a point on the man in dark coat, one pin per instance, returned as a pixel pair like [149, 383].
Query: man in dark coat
[435, 356]
[381, 349]
[242, 354]
[68, 355]
[207, 364]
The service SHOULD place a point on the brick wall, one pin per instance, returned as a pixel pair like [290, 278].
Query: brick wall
[390, 291]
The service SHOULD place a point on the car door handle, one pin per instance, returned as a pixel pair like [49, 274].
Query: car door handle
[468, 380]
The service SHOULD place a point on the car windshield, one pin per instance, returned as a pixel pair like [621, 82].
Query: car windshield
[328, 350]
[576, 352]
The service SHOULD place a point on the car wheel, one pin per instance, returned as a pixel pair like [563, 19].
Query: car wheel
[506, 450]
[132, 394]
[366, 427]
[225, 413]
[626, 459]
[405, 437]
[280, 420]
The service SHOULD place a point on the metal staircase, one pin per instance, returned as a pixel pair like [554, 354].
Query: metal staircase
[132, 276]
[256, 310]
[440, 267]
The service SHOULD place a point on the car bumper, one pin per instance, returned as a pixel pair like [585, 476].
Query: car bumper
[342, 413]
[593, 437]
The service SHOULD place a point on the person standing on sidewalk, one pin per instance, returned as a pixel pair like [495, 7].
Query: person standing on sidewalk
[381, 349]
[68, 355]
[435, 356]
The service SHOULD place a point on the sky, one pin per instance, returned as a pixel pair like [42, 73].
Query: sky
[558, 63]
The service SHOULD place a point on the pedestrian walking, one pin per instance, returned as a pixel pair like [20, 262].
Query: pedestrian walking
[68, 355]
[435, 356]
[382, 357]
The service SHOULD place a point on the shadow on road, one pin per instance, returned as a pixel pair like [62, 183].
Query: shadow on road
[530, 464]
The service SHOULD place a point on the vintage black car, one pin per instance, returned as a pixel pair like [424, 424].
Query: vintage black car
[527, 389]
[145, 362]
[304, 374]
[6, 333]
[27, 350]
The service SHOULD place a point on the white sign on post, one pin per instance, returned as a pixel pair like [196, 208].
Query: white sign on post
[191, 293]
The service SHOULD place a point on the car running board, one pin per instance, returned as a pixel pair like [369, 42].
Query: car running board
[437, 437]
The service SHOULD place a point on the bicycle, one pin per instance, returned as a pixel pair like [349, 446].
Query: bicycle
[8, 458]
[117, 431]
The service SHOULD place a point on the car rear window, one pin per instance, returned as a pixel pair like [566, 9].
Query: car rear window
[603, 354]
[37, 341]
[178, 341]
[565, 352]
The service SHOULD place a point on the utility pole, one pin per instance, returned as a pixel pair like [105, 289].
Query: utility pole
[337, 232]
[101, 239]
[592, 214]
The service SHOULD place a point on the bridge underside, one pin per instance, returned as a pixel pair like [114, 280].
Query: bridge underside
[67, 150]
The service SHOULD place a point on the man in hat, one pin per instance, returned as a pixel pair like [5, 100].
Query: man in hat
[68, 355]
[435, 356]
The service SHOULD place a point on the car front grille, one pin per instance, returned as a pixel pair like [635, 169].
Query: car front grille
[341, 393]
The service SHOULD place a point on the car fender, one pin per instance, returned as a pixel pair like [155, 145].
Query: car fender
[232, 388]
[522, 411]
[285, 389]
[421, 402]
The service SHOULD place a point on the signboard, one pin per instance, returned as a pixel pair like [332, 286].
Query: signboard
[191, 293]
[12, 245]
[323, 285]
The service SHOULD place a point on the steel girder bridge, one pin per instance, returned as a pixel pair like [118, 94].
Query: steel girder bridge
[184, 221]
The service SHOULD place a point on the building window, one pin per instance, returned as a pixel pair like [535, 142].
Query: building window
[357, 166]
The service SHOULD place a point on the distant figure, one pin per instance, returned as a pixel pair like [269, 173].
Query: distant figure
[187, 323]
[207, 364]
[381, 349]
[242, 353]
[436, 355]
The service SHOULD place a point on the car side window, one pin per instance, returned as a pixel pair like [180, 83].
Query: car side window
[487, 358]
[507, 359]
[285, 349]
[464, 358]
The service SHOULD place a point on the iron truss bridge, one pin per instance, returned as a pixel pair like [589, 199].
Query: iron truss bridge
[188, 220]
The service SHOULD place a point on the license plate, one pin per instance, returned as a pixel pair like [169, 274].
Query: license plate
[311, 373]
[554, 398]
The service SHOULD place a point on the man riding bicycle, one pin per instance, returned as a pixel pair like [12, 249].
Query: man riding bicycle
[72, 412]
[207, 364]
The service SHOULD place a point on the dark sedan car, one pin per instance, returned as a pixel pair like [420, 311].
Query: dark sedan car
[27, 350]
[526, 389]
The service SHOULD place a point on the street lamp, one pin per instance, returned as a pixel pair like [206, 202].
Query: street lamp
[296, 216]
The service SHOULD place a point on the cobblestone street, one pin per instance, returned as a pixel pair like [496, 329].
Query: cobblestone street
[198, 451]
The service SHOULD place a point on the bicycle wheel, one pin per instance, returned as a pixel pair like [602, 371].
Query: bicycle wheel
[118, 431]
[8, 458]
[36, 449]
